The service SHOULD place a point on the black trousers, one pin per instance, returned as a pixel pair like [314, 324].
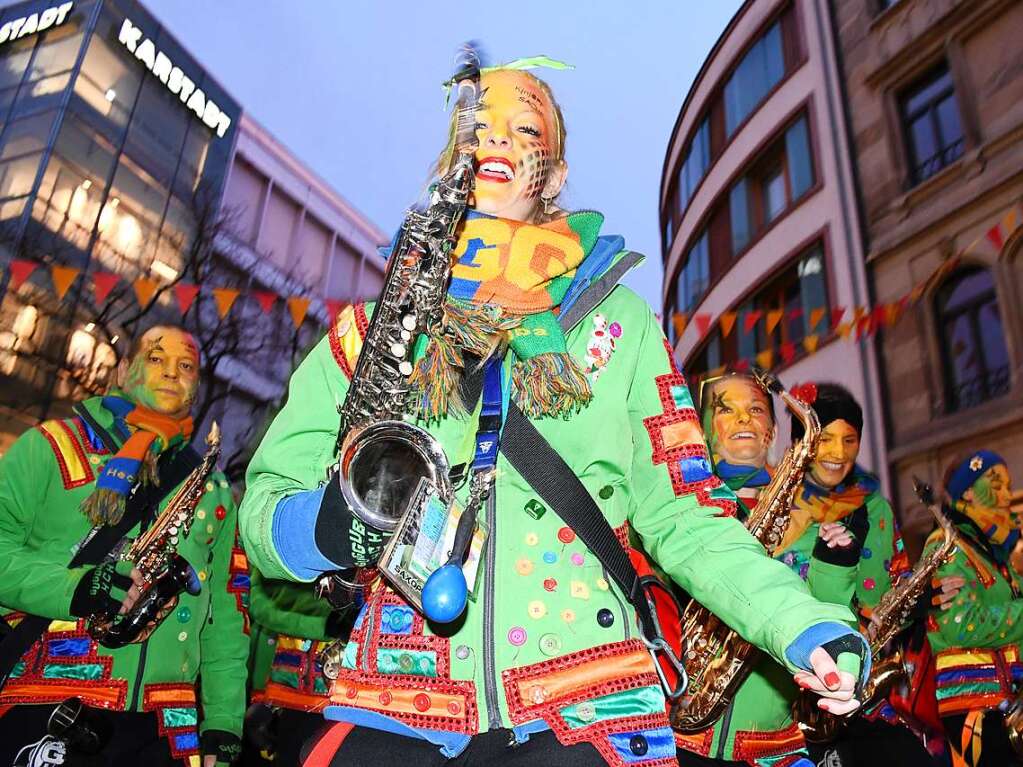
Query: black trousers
[366, 747]
[867, 743]
[995, 747]
[133, 740]
[689, 759]
[274, 736]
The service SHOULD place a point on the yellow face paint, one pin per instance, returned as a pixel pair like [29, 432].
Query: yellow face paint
[741, 425]
[164, 375]
[836, 453]
[517, 130]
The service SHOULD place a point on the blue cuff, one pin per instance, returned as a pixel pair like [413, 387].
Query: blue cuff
[798, 653]
[294, 535]
[451, 743]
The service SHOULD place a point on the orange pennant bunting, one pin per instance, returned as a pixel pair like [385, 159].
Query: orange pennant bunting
[333, 308]
[225, 298]
[810, 343]
[764, 359]
[727, 322]
[773, 318]
[145, 289]
[1009, 221]
[816, 315]
[843, 329]
[679, 320]
[62, 277]
[298, 306]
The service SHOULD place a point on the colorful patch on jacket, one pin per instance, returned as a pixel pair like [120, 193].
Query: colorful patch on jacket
[601, 346]
[346, 337]
[176, 715]
[67, 445]
[971, 678]
[296, 676]
[678, 442]
[238, 579]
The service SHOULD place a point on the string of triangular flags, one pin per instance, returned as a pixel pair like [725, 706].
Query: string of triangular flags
[858, 322]
[63, 277]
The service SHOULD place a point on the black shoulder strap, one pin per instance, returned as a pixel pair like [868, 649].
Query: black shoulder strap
[172, 472]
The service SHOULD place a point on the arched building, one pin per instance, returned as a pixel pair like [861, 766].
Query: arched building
[761, 234]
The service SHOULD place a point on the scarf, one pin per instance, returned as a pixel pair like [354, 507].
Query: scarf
[150, 435]
[817, 504]
[509, 279]
[737, 476]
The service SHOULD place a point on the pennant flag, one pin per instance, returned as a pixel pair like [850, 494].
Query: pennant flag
[145, 289]
[679, 320]
[858, 313]
[843, 329]
[863, 325]
[795, 314]
[810, 343]
[727, 322]
[994, 235]
[298, 306]
[1009, 221]
[816, 316]
[741, 366]
[892, 312]
[62, 277]
[225, 298]
[185, 293]
[915, 293]
[103, 283]
[334, 308]
[265, 299]
[702, 323]
[752, 318]
[788, 351]
[21, 270]
[773, 318]
[878, 317]
[764, 359]
[836, 316]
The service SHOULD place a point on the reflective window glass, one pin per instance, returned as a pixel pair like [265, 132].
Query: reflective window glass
[14, 61]
[760, 69]
[738, 208]
[193, 158]
[930, 117]
[68, 201]
[17, 176]
[130, 218]
[57, 52]
[109, 81]
[27, 135]
[798, 157]
[42, 94]
[774, 194]
[157, 130]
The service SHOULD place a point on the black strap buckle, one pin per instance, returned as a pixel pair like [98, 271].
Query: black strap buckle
[653, 637]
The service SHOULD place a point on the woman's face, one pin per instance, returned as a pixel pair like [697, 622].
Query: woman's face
[836, 454]
[515, 162]
[992, 490]
[741, 424]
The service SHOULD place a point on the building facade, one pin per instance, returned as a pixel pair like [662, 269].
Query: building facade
[121, 155]
[761, 238]
[935, 109]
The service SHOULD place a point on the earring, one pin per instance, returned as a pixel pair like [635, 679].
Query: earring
[548, 205]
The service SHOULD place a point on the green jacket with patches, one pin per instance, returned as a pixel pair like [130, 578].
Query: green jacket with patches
[549, 641]
[44, 477]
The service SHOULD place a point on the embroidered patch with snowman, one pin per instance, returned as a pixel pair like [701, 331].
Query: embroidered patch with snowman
[601, 346]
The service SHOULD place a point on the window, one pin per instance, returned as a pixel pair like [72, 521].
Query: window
[930, 119]
[695, 164]
[976, 364]
[760, 69]
[695, 275]
[782, 175]
[108, 82]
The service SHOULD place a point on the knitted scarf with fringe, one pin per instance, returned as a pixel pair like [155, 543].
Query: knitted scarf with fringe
[508, 281]
[151, 434]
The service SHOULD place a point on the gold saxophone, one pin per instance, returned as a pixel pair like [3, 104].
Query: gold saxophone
[717, 660]
[887, 621]
[155, 555]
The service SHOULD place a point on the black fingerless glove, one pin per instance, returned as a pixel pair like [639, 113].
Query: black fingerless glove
[341, 536]
[101, 590]
[858, 526]
[223, 745]
[853, 646]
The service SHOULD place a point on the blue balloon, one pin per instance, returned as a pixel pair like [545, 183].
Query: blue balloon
[445, 594]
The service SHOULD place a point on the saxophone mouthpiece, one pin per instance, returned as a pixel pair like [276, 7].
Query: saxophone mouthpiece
[768, 380]
[923, 491]
[213, 438]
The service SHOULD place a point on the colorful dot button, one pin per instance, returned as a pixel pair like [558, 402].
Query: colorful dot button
[532, 539]
[182, 636]
[605, 618]
[209, 528]
[550, 644]
[524, 566]
[516, 635]
[579, 590]
[200, 514]
[405, 662]
[462, 651]
[550, 584]
[421, 702]
[606, 492]
[566, 535]
[602, 584]
[535, 509]
[550, 557]
[202, 575]
[869, 583]
[184, 615]
[578, 559]
[220, 512]
[94, 460]
[568, 615]
[384, 698]
[209, 487]
[536, 609]
[586, 712]
[454, 707]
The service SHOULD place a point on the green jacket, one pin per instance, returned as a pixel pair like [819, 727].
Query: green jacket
[549, 642]
[44, 477]
[758, 724]
[289, 631]
[977, 641]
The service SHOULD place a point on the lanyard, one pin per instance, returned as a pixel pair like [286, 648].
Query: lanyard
[488, 432]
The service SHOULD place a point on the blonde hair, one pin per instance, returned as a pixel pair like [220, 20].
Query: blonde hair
[444, 159]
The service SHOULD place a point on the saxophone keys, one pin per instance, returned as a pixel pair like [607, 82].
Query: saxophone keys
[406, 335]
[405, 368]
[409, 322]
[397, 350]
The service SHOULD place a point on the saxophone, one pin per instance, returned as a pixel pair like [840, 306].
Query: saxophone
[888, 619]
[716, 659]
[155, 555]
[382, 457]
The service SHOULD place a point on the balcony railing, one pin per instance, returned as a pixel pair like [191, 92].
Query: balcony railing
[974, 391]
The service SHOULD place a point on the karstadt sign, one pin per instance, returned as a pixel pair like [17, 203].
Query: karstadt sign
[177, 82]
[15, 29]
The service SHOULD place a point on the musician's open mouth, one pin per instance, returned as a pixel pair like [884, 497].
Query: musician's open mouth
[832, 466]
[496, 169]
[743, 435]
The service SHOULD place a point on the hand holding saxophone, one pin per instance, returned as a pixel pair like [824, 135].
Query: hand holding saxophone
[835, 681]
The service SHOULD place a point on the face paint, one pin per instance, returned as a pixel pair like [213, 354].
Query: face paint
[988, 503]
[516, 126]
[836, 453]
[164, 374]
[741, 427]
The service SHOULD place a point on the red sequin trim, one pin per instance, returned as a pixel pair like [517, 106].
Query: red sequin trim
[697, 744]
[239, 565]
[415, 641]
[751, 745]
[362, 325]
[672, 456]
[65, 474]
[622, 534]
[170, 732]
